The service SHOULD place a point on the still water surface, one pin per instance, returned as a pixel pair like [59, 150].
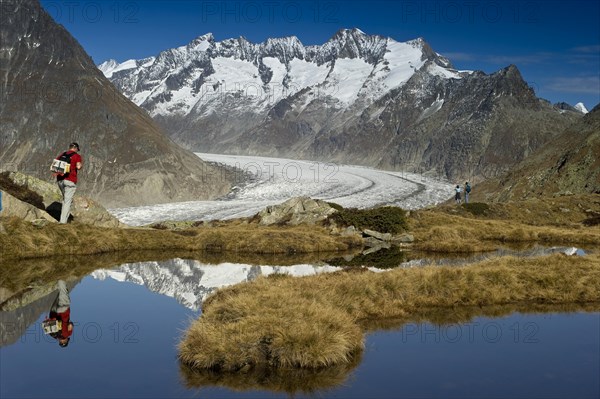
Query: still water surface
[128, 321]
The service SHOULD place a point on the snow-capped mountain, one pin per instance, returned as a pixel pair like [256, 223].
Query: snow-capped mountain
[581, 108]
[348, 68]
[190, 282]
[357, 98]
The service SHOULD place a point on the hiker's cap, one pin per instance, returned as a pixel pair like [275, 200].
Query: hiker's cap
[74, 145]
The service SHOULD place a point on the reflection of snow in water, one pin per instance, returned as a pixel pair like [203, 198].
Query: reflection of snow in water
[190, 282]
[275, 179]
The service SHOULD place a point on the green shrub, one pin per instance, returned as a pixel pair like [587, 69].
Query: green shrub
[592, 221]
[335, 206]
[387, 219]
[186, 233]
[159, 226]
[477, 208]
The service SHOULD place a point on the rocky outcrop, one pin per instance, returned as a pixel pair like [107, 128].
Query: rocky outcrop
[12, 206]
[84, 210]
[295, 211]
[51, 93]
[376, 240]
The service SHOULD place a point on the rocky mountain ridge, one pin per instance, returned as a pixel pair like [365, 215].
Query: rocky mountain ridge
[568, 164]
[358, 98]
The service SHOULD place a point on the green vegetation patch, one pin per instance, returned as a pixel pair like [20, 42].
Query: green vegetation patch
[477, 208]
[592, 221]
[386, 219]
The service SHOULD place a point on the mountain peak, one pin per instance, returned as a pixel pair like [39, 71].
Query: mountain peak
[202, 40]
[581, 108]
[344, 32]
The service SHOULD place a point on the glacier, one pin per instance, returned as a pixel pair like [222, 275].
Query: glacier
[274, 180]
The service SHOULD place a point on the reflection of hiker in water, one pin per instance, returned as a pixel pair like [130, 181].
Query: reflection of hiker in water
[60, 314]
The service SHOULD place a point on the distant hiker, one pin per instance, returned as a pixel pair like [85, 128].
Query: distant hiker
[58, 324]
[467, 192]
[457, 195]
[67, 182]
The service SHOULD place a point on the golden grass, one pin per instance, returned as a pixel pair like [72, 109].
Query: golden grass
[453, 229]
[316, 321]
[23, 240]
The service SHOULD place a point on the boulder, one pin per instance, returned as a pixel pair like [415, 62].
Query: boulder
[40, 223]
[48, 191]
[377, 235]
[295, 211]
[349, 231]
[12, 206]
[84, 210]
[403, 239]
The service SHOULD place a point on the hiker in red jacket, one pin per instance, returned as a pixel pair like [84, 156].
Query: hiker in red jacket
[67, 183]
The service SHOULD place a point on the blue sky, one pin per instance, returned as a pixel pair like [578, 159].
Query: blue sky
[555, 44]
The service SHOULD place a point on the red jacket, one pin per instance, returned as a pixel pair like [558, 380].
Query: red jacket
[72, 175]
[65, 318]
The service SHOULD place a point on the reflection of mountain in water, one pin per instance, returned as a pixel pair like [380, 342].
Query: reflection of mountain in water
[190, 282]
[461, 260]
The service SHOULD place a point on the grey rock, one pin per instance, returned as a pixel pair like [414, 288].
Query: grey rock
[377, 235]
[40, 222]
[349, 231]
[295, 211]
[373, 242]
[403, 238]
[84, 210]
[12, 206]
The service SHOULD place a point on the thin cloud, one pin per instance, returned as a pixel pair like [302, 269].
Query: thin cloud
[524, 59]
[535, 58]
[586, 55]
[580, 84]
[593, 49]
[460, 56]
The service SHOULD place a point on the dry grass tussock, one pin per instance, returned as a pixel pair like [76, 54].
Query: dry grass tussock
[23, 240]
[312, 322]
